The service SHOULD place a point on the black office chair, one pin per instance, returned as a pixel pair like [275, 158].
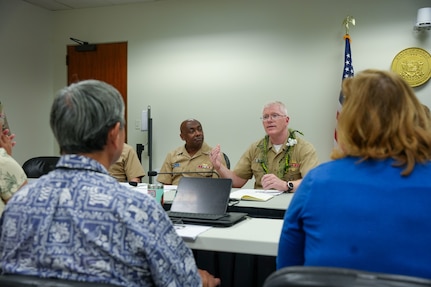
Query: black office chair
[14, 280]
[38, 166]
[300, 276]
[226, 158]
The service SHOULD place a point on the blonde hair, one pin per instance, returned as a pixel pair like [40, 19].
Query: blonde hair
[382, 118]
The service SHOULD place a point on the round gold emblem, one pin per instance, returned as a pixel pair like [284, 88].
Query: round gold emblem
[413, 65]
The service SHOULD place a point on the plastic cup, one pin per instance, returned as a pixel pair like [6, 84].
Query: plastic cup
[156, 191]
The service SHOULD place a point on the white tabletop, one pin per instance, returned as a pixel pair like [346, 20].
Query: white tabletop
[257, 236]
[280, 202]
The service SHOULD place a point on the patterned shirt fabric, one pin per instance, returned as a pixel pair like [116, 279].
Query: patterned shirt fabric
[303, 157]
[79, 223]
[3, 118]
[127, 166]
[179, 160]
[12, 177]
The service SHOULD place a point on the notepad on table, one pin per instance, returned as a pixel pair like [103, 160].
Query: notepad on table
[254, 194]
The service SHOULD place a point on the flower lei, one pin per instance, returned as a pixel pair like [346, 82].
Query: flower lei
[291, 141]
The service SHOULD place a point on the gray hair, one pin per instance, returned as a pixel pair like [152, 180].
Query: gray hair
[282, 107]
[82, 115]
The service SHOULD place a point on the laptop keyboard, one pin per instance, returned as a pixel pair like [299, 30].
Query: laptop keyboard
[195, 215]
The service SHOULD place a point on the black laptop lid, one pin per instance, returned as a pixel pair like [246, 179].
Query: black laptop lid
[202, 195]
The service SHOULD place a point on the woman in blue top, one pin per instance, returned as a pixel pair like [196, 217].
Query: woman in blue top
[369, 208]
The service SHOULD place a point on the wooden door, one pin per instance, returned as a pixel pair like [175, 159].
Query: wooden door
[104, 62]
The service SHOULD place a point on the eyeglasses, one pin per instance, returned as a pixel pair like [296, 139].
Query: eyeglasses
[273, 117]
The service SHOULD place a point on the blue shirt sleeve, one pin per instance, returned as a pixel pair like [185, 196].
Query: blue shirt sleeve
[291, 247]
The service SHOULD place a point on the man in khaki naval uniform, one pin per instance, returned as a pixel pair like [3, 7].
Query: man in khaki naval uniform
[127, 168]
[192, 157]
[278, 161]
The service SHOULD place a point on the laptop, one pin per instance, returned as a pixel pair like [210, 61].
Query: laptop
[204, 201]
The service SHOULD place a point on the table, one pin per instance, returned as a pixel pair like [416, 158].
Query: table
[241, 255]
[256, 236]
[273, 208]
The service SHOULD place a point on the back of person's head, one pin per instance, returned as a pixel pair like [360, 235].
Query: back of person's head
[83, 113]
[381, 117]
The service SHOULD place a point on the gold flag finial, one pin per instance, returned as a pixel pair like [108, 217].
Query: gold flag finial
[347, 21]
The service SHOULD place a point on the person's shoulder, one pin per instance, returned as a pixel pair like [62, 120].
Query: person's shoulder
[255, 146]
[331, 167]
[12, 176]
[300, 139]
[3, 154]
[129, 152]
[303, 143]
[127, 147]
[177, 150]
[123, 192]
[7, 161]
[257, 143]
[206, 147]
[134, 201]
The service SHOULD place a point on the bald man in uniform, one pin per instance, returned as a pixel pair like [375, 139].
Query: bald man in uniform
[192, 157]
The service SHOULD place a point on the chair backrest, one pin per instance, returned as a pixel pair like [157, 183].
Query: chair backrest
[38, 166]
[14, 280]
[226, 158]
[300, 276]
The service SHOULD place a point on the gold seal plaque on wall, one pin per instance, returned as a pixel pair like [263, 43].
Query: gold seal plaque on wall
[413, 65]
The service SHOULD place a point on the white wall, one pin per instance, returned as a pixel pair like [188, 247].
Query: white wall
[216, 61]
[26, 76]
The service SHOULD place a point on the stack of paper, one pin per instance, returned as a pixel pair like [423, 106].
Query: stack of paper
[189, 232]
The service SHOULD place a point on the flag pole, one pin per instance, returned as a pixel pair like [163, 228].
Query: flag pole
[348, 67]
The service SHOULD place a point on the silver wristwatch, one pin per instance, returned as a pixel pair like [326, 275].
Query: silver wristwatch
[289, 186]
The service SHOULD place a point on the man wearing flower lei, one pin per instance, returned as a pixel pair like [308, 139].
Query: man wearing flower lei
[278, 161]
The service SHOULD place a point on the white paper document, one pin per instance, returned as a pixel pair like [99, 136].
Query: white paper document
[189, 232]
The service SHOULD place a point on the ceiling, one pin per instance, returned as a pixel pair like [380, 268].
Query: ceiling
[57, 5]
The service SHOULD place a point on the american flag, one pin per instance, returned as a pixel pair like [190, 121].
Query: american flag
[347, 73]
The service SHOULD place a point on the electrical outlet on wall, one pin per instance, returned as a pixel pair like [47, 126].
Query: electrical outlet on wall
[137, 124]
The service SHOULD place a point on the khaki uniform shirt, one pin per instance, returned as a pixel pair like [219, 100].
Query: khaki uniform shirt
[12, 177]
[303, 157]
[127, 166]
[179, 161]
